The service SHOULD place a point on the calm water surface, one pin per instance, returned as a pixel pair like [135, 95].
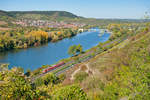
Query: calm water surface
[33, 58]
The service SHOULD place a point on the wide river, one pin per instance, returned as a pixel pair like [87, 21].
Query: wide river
[33, 58]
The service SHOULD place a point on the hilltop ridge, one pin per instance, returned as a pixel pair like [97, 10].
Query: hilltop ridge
[36, 15]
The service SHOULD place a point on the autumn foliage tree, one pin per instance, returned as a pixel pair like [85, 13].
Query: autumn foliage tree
[38, 36]
[75, 49]
[14, 85]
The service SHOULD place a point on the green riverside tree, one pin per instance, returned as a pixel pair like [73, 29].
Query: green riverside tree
[75, 49]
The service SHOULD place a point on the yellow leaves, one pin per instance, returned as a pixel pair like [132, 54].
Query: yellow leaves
[8, 96]
[39, 33]
[40, 36]
[25, 45]
[58, 32]
[75, 28]
[7, 34]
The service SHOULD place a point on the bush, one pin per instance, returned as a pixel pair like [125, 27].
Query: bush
[72, 92]
[93, 83]
[50, 78]
[39, 82]
[15, 86]
[80, 76]
[61, 77]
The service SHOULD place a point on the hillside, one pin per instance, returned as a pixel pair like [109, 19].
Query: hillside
[4, 16]
[38, 15]
[60, 16]
[119, 73]
[117, 70]
[48, 13]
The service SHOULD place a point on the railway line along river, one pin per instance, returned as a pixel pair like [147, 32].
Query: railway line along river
[35, 57]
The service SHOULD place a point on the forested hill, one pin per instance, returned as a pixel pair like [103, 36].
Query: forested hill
[4, 16]
[46, 15]
[59, 16]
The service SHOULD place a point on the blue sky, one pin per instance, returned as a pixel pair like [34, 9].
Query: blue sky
[86, 8]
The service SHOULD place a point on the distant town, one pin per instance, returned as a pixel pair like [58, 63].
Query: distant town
[47, 23]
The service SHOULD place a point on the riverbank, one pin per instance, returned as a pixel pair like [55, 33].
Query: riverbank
[33, 38]
[83, 57]
[33, 58]
[74, 60]
[23, 38]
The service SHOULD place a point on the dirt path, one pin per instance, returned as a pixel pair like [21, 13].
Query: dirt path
[76, 71]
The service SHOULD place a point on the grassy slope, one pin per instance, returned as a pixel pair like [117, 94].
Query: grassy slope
[121, 72]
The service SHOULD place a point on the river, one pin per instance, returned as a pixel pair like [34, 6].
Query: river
[35, 57]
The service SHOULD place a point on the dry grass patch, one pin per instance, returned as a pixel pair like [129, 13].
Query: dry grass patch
[92, 84]
[2, 23]
[4, 29]
[83, 67]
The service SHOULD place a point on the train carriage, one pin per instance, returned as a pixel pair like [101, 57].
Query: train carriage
[53, 67]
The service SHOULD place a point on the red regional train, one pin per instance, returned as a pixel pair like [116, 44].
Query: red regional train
[53, 67]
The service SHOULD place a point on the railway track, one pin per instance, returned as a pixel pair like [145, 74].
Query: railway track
[69, 64]
[34, 78]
